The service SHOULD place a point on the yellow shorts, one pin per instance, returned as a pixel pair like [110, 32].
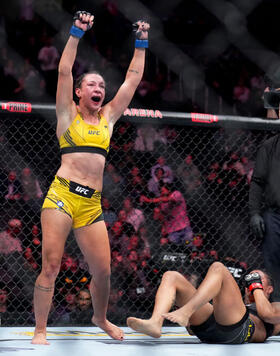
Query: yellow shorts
[81, 203]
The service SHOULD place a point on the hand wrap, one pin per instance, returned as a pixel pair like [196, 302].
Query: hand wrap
[139, 43]
[253, 281]
[76, 31]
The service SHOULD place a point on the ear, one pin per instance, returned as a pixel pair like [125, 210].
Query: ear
[78, 92]
[269, 290]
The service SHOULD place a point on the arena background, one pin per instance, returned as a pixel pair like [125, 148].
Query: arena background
[202, 55]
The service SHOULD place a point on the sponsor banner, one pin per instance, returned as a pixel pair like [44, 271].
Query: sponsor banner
[204, 118]
[14, 106]
[131, 112]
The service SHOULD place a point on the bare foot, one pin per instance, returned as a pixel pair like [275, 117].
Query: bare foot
[39, 338]
[178, 317]
[147, 327]
[109, 328]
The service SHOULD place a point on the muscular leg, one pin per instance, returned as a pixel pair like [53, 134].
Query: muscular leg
[55, 229]
[219, 286]
[173, 289]
[94, 243]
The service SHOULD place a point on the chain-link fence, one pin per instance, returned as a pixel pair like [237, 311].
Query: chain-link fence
[204, 170]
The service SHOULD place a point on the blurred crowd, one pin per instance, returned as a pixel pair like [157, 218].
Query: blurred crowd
[158, 186]
[160, 213]
[212, 78]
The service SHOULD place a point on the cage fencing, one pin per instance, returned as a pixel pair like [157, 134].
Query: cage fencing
[203, 162]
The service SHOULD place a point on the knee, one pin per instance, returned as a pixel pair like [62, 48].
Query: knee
[170, 276]
[102, 273]
[218, 267]
[51, 267]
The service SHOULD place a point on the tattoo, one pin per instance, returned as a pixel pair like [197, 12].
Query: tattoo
[134, 71]
[44, 289]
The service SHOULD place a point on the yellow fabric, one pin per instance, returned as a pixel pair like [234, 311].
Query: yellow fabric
[83, 211]
[81, 134]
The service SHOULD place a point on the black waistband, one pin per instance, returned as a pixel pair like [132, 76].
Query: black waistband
[81, 190]
[89, 149]
[76, 188]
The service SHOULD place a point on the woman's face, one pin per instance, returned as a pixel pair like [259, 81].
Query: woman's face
[92, 91]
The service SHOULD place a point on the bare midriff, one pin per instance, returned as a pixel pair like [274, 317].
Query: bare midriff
[260, 332]
[83, 168]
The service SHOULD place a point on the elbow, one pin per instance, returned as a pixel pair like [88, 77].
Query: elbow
[64, 69]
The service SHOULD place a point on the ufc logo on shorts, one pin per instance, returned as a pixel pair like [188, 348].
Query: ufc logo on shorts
[81, 190]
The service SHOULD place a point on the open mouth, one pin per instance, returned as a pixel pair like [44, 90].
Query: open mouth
[96, 99]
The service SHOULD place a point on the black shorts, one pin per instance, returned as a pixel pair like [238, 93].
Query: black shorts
[213, 333]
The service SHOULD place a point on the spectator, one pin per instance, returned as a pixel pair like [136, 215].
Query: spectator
[32, 249]
[115, 310]
[134, 216]
[9, 242]
[48, 57]
[189, 175]
[146, 251]
[28, 254]
[11, 76]
[83, 312]
[32, 83]
[14, 188]
[135, 184]
[12, 262]
[31, 191]
[137, 286]
[148, 137]
[109, 214]
[155, 182]
[158, 217]
[168, 173]
[11, 312]
[241, 96]
[120, 232]
[67, 305]
[3, 300]
[176, 223]
[113, 185]
[27, 10]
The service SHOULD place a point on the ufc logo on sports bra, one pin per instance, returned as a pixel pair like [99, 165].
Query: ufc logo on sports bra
[81, 190]
[92, 132]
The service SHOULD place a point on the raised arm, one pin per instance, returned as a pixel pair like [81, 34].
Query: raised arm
[115, 108]
[65, 106]
[260, 289]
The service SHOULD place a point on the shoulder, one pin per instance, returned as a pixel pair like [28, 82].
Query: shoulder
[271, 141]
[105, 116]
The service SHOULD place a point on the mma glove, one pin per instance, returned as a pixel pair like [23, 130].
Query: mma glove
[141, 29]
[257, 226]
[253, 281]
[80, 16]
